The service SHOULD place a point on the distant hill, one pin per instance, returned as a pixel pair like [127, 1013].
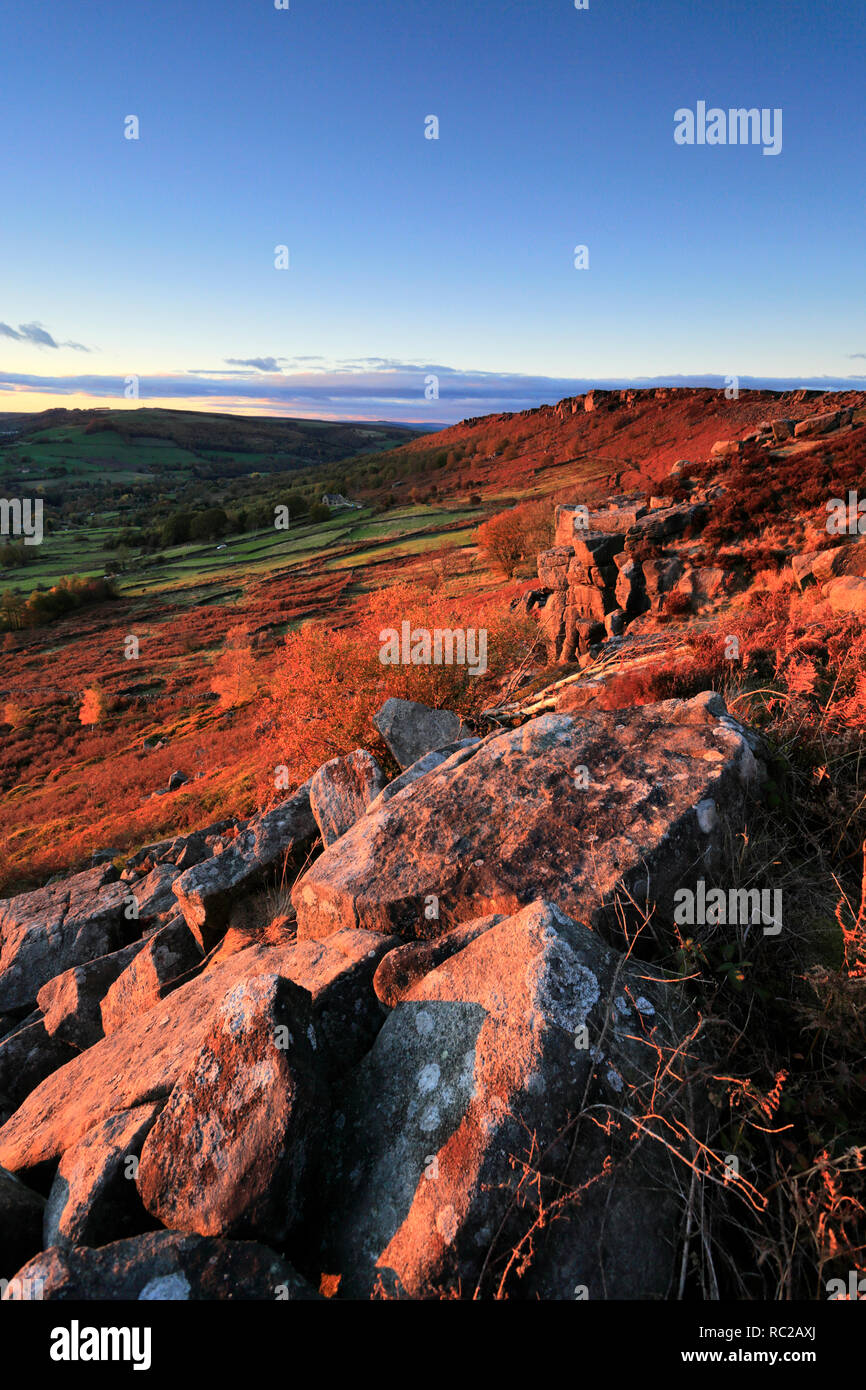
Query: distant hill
[291, 442]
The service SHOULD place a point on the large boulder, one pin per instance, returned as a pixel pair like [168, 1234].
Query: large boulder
[231, 1153]
[342, 789]
[582, 810]
[20, 1223]
[726, 448]
[782, 429]
[847, 594]
[157, 969]
[153, 894]
[507, 1059]
[411, 729]
[70, 1003]
[828, 563]
[822, 424]
[428, 763]
[143, 1060]
[52, 929]
[401, 968]
[161, 1267]
[802, 564]
[93, 1198]
[271, 843]
[27, 1057]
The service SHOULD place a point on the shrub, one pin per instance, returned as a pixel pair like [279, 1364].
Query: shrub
[331, 681]
[512, 536]
[94, 705]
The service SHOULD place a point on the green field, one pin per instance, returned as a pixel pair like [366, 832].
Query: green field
[112, 482]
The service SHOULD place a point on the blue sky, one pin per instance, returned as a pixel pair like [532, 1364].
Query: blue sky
[410, 257]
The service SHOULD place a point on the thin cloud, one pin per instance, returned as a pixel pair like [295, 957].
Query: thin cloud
[38, 335]
[394, 394]
[261, 364]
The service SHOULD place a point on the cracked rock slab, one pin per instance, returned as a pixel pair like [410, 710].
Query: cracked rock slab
[231, 1152]
[580, 810]
[143, 1060]
[480, 1067]
[57, 927]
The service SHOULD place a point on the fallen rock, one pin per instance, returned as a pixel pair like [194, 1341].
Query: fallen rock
[20, 1223]
[606, 808]
[93, 1199]
[471, 1088]
[403, 967]
[27, 1057]
[342, 789]
[271, 842]
[822, 424]
[232, 1150]
[154, 971]
[847, 594]
[70, 1003]
[726, 448]
[143, 1060]
[428, 763]
[802, 567]
[825, 564]
[51, 929]
[411, 729]
[193, 851]
[153, 894]
[163, 1267]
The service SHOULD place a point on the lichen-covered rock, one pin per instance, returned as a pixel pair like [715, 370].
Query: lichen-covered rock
[421, 767]
[342, 789]
[93, 1197]
[162, 1267]
[411, 729]
[143, 1060]
[54, 928]
[474, 1083]
[271, 842]
[233, 1148]
[579, 810]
